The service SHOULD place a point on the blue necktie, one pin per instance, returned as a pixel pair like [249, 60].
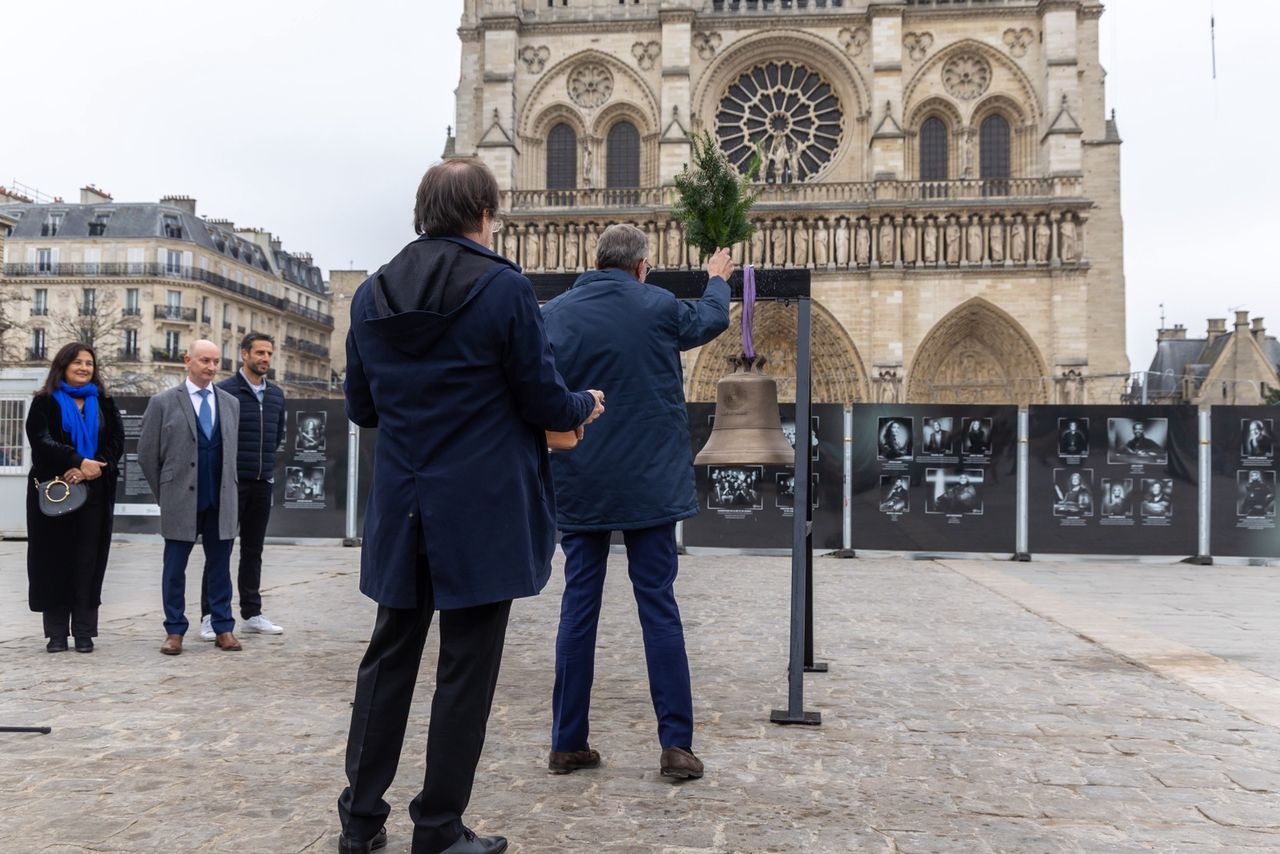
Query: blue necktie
[206, 413]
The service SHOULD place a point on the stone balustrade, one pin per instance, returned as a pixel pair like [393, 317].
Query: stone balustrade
[946, 236]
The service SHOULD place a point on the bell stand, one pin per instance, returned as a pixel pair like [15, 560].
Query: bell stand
[785, 286]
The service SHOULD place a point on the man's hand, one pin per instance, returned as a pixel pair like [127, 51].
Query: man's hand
[599, 410]
[720, 264]
[91, 469]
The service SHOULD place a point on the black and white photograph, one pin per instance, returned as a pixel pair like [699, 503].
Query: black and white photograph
[1117, 498]
[894, 438]
[895, 496]
[789, 430]
[975, 437]
[1257, 498]
[734, 487]
[310, 437]
[1157, 497]
[1138, 441]
[1073, 437]
[786, 481]
[304, 484]
[1073, 489]
[954, 493]
[1257, 440]
[937, 438]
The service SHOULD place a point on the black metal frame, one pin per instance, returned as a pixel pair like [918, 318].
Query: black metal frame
[771, 286]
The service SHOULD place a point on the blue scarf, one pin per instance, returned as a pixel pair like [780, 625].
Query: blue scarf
[82, 428]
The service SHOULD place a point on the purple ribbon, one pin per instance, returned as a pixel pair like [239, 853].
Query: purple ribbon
[748, 309]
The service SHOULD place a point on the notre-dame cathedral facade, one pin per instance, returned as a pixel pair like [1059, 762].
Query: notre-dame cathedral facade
[945, 168]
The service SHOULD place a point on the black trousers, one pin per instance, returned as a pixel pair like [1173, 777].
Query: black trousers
[255, 512]
[471, 642]
[78, 610]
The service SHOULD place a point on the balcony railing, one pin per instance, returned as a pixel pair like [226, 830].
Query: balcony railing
[40, 311]
[307, 347]
[309, 313]
[771, 7]
[784, 196]
[131, 311]
[226, 364]
[159, 354]
[176, 313]
[294, 378]
[135, 270]
[129, 354]
[88, 310]
[37, 354]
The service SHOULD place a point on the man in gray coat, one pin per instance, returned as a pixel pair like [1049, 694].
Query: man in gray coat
[187, 451]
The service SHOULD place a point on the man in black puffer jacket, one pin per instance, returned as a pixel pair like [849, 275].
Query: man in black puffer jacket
[262, 429]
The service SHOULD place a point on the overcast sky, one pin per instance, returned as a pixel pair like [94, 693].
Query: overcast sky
[314, 120]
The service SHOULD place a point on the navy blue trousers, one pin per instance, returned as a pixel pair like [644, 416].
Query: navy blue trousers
[652, 563]
[217, 571]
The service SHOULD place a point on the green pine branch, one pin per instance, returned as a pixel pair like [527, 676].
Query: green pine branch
[713, 199]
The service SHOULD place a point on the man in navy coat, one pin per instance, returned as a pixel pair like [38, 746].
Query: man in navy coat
[448, 359]
[632, 473]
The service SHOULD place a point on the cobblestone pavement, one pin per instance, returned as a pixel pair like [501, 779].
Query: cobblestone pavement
[954, 719]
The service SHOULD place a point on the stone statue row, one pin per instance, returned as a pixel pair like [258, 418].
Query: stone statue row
[948, 240]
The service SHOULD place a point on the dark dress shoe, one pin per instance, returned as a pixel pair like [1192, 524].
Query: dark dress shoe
[681, 764]
[567, 762]
[172, 645]
[56, 645]
[227, 642]
[469, 843]
[347, 845]
[84, 644]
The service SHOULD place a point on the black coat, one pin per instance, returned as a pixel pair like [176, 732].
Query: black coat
[49, 572]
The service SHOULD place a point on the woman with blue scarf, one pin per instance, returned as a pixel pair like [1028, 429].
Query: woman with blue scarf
[76, 434]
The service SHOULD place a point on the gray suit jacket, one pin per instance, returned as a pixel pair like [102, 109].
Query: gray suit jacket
[167, 454]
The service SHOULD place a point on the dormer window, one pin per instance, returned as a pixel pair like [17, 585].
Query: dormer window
[98, 225]
[52, 224]
[172, 226]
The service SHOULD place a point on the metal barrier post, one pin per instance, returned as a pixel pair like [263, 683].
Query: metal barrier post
[1203, 556]
[353, 484]
[1021, 551]
[846, 538]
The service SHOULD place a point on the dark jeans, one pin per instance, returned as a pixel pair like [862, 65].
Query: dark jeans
[471, 642]
[255, 512]
[217, 566]
[652, 565]
[79, 608]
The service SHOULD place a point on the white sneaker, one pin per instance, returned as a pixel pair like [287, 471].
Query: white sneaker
[262, 625]
[206, 628]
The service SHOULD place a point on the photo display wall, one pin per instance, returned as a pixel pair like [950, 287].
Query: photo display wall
[1112, 480]
[934, 477]
[310, 494]
[753, 506]
[1242, 502]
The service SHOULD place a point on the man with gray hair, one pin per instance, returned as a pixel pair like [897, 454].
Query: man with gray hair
[632, 473]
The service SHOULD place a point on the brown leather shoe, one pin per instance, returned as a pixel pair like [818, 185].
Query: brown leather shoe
[172, 645]
[569, 761]
[680, 763]
[227, 642]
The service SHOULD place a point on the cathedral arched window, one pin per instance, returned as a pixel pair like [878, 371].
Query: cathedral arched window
[933, 150]
[562, 158]
[993, 154]
[622, 168]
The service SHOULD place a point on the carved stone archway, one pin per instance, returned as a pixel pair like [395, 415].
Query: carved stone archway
[838, 375]
[978, 354]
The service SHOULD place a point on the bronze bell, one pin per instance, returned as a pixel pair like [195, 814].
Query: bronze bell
[748, 427]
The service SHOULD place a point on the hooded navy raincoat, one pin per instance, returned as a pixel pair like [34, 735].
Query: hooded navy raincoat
[448, 359]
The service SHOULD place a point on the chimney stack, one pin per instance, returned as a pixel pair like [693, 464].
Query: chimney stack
[186, 203]
[1177, 333]
[8, 196]
[1217, 327]
[1259, 330]
[91, 195]
[1242, 321]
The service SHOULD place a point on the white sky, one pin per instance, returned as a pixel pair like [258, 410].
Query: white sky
[314, 120]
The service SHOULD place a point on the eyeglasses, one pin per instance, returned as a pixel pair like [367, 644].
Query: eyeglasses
[645, 270]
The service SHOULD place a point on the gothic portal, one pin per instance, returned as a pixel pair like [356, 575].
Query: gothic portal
[946, 170]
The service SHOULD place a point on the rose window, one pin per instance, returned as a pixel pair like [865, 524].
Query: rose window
[788, 113]
[590, 85]
[966, 76]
